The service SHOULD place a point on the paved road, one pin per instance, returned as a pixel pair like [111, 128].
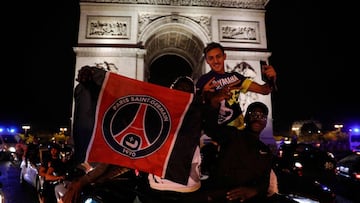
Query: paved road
[24, 193]
[13, 190]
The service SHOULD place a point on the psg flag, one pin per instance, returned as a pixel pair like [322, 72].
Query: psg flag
[140, 125]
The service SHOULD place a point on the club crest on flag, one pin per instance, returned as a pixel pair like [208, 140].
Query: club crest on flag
[137, 124]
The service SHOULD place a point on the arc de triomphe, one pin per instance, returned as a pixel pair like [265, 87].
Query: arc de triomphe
[130, 37]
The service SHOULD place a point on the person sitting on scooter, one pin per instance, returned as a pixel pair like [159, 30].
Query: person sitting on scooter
[53, 170]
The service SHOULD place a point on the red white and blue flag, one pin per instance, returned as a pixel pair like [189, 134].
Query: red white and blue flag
[139, 125]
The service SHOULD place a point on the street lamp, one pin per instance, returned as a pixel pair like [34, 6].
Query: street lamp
[26, 128]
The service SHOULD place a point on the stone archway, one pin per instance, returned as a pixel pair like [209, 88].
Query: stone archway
[173, 40]
[166, 68]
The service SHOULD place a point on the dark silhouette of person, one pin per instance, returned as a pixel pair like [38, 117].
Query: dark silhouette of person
[86, 93]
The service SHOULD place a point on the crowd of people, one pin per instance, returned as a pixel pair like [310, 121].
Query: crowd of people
[240, 169]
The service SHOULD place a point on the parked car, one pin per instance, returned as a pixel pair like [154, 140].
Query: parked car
[348, 168]
[348, 174]
[306, 170]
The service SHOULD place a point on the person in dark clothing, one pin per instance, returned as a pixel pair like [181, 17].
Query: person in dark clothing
[244, 162]
[32, 154]
[53, 169]
[86, 94]
[242, 169]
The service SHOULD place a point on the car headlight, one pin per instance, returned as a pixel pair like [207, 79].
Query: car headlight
[12, 149]
[298, 165]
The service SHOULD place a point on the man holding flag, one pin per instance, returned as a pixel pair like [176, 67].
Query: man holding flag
[141, 126]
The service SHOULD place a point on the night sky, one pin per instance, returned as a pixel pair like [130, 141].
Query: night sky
[314, 50]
